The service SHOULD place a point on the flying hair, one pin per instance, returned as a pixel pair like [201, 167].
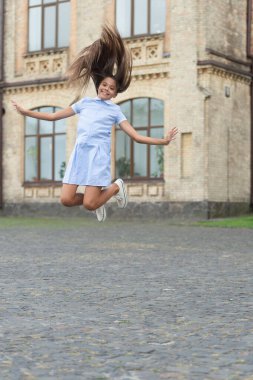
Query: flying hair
[106, 57]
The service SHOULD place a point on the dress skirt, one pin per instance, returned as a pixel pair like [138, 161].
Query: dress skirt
[89, 164]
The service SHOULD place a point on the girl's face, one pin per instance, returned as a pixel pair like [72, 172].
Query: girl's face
[107, 89]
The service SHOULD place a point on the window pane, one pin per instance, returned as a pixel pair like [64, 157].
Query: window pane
[140, 112]
[156, 106]
[140, 158]
[63, 24]
[49, 1]
[31, 126]
[34, 2]
[46, 158]
[60, 126]
[122, 154]
[59, 157]
[31, 159]
[140, 17]
[123, 17]
[156, 154]
[158, 16]
[126, 109]
[45, 126]
[49, 26]
[34, 29]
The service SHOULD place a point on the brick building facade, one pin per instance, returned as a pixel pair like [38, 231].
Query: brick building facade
[192, 71]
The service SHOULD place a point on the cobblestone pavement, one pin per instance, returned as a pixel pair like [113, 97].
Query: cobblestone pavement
[126, 300]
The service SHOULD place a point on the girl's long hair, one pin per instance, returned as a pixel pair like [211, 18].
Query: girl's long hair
[106, 57]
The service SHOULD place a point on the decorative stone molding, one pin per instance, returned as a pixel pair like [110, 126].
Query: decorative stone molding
[146, 190]
[222, 73]
[30, 88]
[45, 63]
[146, 50]
[145, 76]
[148, 58]
[134, 190]
[49, 192]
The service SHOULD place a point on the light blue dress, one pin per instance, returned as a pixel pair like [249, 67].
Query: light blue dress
[90, 161]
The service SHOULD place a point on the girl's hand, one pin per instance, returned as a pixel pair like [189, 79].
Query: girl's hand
[171, 135]
[18, 108]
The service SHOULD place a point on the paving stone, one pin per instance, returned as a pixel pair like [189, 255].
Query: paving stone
[126, 300]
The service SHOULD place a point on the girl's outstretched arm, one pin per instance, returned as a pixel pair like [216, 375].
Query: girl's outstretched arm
[61, 114]
[131, 132]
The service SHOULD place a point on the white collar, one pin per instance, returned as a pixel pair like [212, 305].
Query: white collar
[106, 101]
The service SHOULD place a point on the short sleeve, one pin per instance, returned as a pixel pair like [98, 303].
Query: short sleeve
[76, 107]
[119, 116]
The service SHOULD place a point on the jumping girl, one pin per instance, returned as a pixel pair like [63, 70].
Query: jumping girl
[108, 63]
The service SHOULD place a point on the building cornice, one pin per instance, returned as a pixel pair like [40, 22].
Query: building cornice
[32, 85]
[224, 71]
[228, 57]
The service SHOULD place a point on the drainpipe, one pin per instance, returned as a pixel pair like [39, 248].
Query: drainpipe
[250, 55]
[1, 97]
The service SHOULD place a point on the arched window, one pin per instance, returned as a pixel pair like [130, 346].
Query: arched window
[45, 148]
[134, 160]
[49, 24]
[140, 17]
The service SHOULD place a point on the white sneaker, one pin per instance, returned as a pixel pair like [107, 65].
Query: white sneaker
[101, 213]
[121, 196]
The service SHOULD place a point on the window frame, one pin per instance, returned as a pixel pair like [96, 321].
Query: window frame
[147, 128]
[132, 13]
[38, 137]
[43, 6]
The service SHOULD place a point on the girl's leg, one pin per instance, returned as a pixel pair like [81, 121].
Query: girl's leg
[94, 196]
[69, 196]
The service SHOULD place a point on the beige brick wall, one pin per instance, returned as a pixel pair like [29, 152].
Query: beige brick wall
[185, 103]
[53, 95]
[226, 23]
[193, 97]
[228, 137]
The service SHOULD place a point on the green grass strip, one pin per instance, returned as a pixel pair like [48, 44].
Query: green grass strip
[237, 222]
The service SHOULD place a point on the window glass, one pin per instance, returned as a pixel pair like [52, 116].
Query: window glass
[158, 16]
[34, 2]
[46, 158]
[140, 17]
[126, 109]
[52, 148]
[31, 158]
[49, 26]
[123, 17]
[140, 158]
[156, 112]
[64, 24]
[156, 154]
[48, 19]
[60, 126]
[140, 112]
[45, 126]
[34, 29]
[123, 155]
[31, 126]
[59, 157]
[131, 159]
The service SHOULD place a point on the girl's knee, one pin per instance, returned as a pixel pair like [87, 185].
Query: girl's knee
[66, 201]
[89, 204]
